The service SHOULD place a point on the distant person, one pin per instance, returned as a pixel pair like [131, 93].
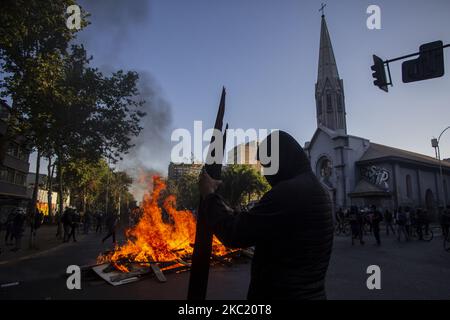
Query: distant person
[35, 224]
[367, 220]
[361, 218]
[389, 220]
[74, 223]
[423, 224]
[59, 223]
[355, 225]
[445, 221]
[66, 220]
[340, 216]
[111, 223]
[401, 224]
[409, 221]
[87, 221]
[9, 236]
[18, 228]
[99, 222]
[376, 218]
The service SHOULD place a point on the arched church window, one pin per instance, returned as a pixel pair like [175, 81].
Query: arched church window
[319, 106]
[324, 169]
[329, 103]
[408, 187]
[339, 103]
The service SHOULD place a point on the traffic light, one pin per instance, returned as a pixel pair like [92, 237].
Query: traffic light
[379, 74]
[429, 65]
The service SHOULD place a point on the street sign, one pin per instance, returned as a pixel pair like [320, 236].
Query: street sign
[429, 65]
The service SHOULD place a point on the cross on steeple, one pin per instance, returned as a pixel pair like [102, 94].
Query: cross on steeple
[322, 9]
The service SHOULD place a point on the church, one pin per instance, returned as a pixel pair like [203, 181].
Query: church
[359, 172]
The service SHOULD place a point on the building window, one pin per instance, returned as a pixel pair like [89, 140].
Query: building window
[329, 103]
[20, 179]
[13, 149]
[408, 187]
[17, 151]
[10, 176]
[339, 103]
[3, 174]
[22, 154]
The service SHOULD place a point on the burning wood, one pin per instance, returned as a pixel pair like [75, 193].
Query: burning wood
[156, 244]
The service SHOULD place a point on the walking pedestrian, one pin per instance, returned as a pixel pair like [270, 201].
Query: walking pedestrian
[35, 224]
[409, 221]
[9, 236]
[388, 220]
[445, 221]
[376, 218]
[74, 222]
[355, 225]
[66, 220]
[59, 223]
[99, 222]
[87, 221]
[422, 223]
[111, 222]
[18, 222]
[401, 224]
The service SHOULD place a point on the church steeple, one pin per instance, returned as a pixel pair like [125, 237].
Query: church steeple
[330, 99]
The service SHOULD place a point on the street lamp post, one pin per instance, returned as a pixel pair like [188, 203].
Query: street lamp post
[435, 144]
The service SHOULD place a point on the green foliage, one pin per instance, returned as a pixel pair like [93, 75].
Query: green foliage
[242, 184]
[186, 191]
[64, 106]
[89, 181]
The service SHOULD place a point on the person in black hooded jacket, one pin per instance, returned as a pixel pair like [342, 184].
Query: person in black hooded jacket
[291, 228]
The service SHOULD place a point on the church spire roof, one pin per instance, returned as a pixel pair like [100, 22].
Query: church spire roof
[330, 99]
[327, 62]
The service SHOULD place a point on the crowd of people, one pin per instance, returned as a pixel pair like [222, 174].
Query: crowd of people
[15, 224]
[69, 225]
[404, 222]
[73, 221]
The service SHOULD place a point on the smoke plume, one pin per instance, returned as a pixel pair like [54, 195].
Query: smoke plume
[107, 39]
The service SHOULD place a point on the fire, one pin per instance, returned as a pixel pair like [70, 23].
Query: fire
[162, 234]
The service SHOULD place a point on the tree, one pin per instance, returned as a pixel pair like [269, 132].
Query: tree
[186, 191]
[33, 37]
[89, 182]
[64, 106]
[242, 184]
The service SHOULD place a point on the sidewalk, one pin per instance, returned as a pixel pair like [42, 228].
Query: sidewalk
[45, 240]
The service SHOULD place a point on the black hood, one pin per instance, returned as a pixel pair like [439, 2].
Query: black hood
[293, 159]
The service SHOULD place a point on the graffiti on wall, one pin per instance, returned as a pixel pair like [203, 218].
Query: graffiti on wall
[376, 175]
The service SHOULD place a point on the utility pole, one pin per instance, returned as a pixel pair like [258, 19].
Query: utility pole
[435, 144]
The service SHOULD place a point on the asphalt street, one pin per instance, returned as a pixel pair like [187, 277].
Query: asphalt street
[414, 270]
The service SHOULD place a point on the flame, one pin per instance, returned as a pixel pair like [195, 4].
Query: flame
[162, 234]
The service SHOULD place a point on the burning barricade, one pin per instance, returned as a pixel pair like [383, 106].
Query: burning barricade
[161, 241]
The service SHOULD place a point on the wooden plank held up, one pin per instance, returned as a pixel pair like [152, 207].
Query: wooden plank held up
[198, 281]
